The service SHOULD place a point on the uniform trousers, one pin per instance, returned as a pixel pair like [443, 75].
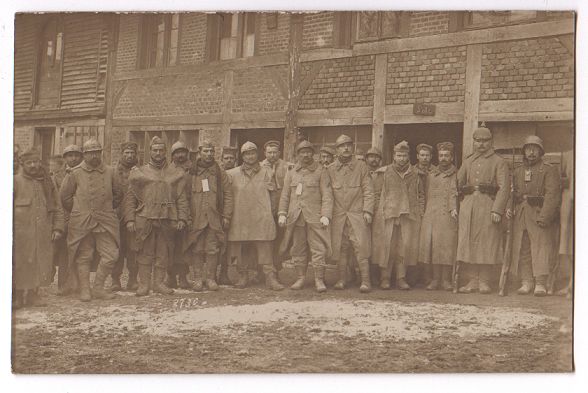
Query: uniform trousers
[264, 254]
[127, 254]
[308, 237]
[103, 243]
[157, 248]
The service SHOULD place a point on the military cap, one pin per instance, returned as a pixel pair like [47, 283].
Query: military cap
[206, 143]
[271, 143]
[482, 133]
[343, 139]
[156, 141]
[422, 146]
[402, 147]
[179, 145]
[91, 145]
[229, 150]
[129, 146]
[445, 146]
[30, 154]
[71, 149]
[304, 145]
[328, 150]
[534, 140]
[375, 151]
[247, 146]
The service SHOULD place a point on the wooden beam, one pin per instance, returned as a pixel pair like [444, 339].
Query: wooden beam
[379, 112]
[291, 134]
[110, 103]
[324, 54]
[527, 116]
[527, 106]
[335, 116]
[227, 107]
[215, 118]
[470, 37]
[472, 96]
[314, 71]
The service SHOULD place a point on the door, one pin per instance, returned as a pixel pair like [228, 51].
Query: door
[259, 136]
[45, 141]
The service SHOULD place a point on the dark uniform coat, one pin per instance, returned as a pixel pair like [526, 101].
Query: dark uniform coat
[480, 241]
[566, 234]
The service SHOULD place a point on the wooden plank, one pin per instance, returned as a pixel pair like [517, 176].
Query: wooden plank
[379, 112]
[258, 124]
[336, 116]
[324, 54]
[472, 96]
[227, 106]
[168, 120]
[527, 116]
[294, 71]
[471, 37]
[276, 116]
[530, 105]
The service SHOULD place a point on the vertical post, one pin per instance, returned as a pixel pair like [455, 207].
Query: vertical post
[379, 101]
[294, 66]
[113, 22]
[227, 107]
[472, 96]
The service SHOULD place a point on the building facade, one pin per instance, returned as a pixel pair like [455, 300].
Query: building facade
[380, 77]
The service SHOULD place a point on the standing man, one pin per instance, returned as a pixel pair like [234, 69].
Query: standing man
[566, 234]
[537, 196]
[306, 207]
[228, 157]
[424, 152]
[253, 222]
[438, 234]
[38, 223]
[353, 209]
[228, 161]
[483, 180]
[326, 156]
[398, 217]
[179, 265]
[90, 193]
[211, 208]
[156, 209]
[373, 159]
[123, 170]
[424, 157]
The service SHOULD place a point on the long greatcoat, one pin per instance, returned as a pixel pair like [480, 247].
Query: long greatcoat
[353, 195]
[544, 182]
[566, 234]
[480, 241]
[35, 219]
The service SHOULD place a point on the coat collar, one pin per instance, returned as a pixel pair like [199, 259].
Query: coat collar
[312, 167]
[351, 164]
[486, 154]
[87, 168]
[450, 171]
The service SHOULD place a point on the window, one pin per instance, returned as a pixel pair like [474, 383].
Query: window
[49, 63]
[377, 25]
[230, 35]
[143, 139]
[482, 19]
[159, 37]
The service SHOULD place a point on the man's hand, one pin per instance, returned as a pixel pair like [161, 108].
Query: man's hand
[282, 220]
[510, 213]
[131, 226]
[325, 221]
[367, 218]
[56, 235]
[181, 225]
[454, 214]
[226, 223]
[496, 218]
[541, 224]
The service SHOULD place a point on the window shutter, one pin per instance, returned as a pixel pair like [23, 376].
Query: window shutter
[342, 30]
[404, 23]
[212, 37]
[456, 21]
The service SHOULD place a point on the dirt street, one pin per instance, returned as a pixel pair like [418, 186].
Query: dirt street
[256, 330]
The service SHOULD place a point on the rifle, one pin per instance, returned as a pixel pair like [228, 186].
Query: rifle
[507, 257]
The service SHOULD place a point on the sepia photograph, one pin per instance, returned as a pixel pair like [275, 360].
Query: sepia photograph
[246, 192]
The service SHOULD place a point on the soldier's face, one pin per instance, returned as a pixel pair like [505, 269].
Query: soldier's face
[207, 154]
[32, 167]
[93, 158]
[250, 157]
[180, 156]
[401, 158]
[424, 157]
[129, 156]
[272, 153]
[373, 161]
[158, 153]
[73, 159]
[306, 156]
[532, 153]
[55, 165]
[228, 161]
[445, 158]
[345, 150]
[482, 145]
[326, 158]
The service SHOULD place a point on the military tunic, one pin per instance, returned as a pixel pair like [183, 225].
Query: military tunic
[566, 234]
[127, 239]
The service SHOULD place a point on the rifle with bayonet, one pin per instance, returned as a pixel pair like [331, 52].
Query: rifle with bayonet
[508, 249]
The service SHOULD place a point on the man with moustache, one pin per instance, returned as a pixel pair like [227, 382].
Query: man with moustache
[483, 180]
[398, 217]
[156, 209]
[438, 234]
[326, 156]
[537, 196]
[306, 206]
[90, 193]
[127, 162]
[353, 209]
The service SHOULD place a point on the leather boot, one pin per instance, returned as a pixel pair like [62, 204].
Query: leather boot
[540, 286]
[485, 272]
[385, 273]
[401, 277]
[34, 300]
[271, 282]
[183, 282]
[342, 270]
[243, 280]
[211, 262]
[526, 287]
[364, 271]
[132, 284]
[319, 279]
[474, 284]
[197, 265]
[158, 284]
[170, 279]
[144, 280]
[223, 276]
[301, 276]
[17, 299]
[446, 278]
[98, 290]
[434, 284]
[84, 282]
[115, 286]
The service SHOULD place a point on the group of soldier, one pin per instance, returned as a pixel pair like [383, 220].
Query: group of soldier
[180, 224]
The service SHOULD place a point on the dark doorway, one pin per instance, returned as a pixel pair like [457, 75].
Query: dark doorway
[44, 141]
[259, 136]
[429, 133]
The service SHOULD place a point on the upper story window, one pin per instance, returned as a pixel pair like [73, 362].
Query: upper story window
[230, 35]
[159, 38]
[49, 63]
[483, 19]
[377, 25]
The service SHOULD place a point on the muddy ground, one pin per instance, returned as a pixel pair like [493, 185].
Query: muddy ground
[256, 330]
